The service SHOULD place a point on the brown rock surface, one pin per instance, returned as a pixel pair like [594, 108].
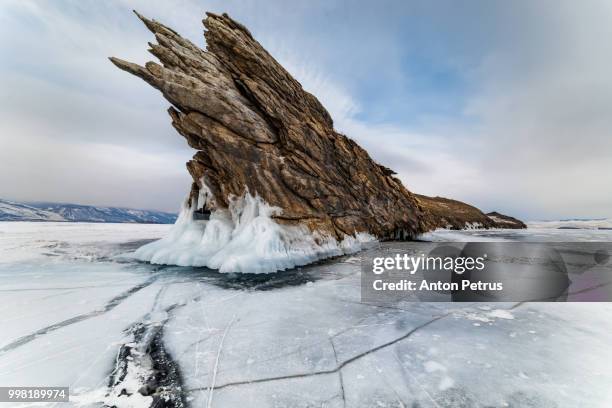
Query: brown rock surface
[453, 214]
[255, 128]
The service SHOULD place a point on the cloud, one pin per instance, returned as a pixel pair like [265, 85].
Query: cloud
[545, 105]
[92, 173]
[506, 105]
[72, 126]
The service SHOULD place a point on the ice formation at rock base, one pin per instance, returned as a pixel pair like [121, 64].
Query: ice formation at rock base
[244, 238]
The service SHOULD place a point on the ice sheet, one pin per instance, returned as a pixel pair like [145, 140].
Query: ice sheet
[534, 233]
[291, 339]
[601, 224]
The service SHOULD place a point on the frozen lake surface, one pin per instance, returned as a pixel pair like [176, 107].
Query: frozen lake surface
[78, 311]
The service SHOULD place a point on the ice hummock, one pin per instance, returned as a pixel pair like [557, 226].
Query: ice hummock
[244, 238]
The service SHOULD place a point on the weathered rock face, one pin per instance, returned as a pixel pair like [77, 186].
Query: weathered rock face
[256, 129]
[453, 214]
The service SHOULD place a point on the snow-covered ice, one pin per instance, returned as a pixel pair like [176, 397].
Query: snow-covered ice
[536, 232]
[595, 224]
[79, 311]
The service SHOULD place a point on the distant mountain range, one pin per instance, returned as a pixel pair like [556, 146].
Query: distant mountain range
[61, 212]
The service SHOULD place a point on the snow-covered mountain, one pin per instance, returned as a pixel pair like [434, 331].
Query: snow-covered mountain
[15, 211]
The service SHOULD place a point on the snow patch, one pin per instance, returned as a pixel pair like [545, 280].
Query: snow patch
[472, 226]
[477, 317]
[446, 383]
[501, 314]
[433, 366]
[244, 238]
[500, 220]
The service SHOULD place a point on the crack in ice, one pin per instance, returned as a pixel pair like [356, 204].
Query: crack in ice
[114, 302]
[330, 371]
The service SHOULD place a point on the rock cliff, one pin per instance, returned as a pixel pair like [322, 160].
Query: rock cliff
[257, 130]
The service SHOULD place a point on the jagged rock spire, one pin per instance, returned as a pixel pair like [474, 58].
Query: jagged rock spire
[255, 128]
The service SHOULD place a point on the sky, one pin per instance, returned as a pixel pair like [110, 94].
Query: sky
[504, 105]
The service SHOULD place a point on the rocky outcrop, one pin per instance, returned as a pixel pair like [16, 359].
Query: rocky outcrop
[453, 214]
[505, 221]
[255, 129]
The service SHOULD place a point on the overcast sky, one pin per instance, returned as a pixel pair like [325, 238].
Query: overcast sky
[504, 104]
